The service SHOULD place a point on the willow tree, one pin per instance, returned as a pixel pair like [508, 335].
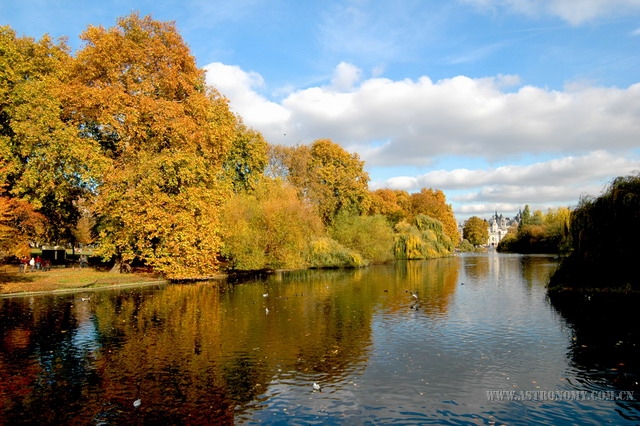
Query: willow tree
[137, 92]
[42, 159]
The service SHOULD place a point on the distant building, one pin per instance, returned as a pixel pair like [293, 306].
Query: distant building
[499, 226]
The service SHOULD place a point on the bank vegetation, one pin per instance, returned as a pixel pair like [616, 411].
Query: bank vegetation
[123, 146]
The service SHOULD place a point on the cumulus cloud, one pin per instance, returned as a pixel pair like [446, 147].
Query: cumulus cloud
[412, 121]
[559, 172]
[546, 184]
[242, 88]
[589, 132]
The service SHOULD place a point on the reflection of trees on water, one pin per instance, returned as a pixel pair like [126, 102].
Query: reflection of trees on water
[433, 281]
[500, 268]
[605, 349]
[208, 349]
[195, 349]
[49, 366]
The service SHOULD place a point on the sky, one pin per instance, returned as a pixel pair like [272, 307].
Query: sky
[498, 103]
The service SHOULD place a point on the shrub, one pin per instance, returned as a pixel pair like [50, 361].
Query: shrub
[325, 252]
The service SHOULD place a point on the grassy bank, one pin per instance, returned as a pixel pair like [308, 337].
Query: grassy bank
[66, 279]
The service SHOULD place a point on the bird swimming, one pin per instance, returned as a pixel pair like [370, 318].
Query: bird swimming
[317, 387]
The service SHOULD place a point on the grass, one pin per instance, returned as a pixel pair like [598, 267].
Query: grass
[66, 279]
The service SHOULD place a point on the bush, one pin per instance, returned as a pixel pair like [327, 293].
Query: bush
[325, 252]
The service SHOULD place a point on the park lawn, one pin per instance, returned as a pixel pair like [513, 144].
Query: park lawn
[67, 279]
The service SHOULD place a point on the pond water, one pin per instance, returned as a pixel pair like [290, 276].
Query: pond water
[470, 339]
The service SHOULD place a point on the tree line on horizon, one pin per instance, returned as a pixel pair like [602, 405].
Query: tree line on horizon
[537, 232]
[123, 144]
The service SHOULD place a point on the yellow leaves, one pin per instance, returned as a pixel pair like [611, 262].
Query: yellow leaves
[268, 229]
[476, 231]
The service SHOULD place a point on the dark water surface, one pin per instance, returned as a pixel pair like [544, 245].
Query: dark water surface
[222, 353]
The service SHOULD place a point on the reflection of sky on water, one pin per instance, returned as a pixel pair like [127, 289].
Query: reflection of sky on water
[85, 337]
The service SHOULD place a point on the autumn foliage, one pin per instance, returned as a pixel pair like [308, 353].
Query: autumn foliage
[124, 145]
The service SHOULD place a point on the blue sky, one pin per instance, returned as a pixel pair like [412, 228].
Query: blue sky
[499, 103]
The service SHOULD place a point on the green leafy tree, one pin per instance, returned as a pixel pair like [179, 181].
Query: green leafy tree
[339, 180]
[476, 231]
[425, 239]
[371, 236]
[324, 174]
[604, 241]
[246, 160]
[525, 216]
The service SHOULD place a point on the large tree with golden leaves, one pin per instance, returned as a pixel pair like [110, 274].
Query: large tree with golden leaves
[43, 161]
[137, 92]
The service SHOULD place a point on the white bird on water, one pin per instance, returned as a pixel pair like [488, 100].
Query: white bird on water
[137, 403]
[414, 295]
[317, 387]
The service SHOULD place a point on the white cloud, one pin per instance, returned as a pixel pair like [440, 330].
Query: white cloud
[560, 172]
[589, 132]
[345, 77]
[417, 120]
[575, 12]
[552, 183]
[240, 87]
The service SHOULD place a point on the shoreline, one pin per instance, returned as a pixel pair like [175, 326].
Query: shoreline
[63, 291]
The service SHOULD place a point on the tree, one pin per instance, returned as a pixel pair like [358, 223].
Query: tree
[604, 238]
[138, 93]
[371, 236]
[246, 160]
[433, 203]
[525, 217]
[395, 204]
[425, 239]
[42, 159]
[270, 227]
[476, 231]
[325, 174]
[20, 224]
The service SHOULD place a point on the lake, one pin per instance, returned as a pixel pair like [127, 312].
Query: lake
[470, 339]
